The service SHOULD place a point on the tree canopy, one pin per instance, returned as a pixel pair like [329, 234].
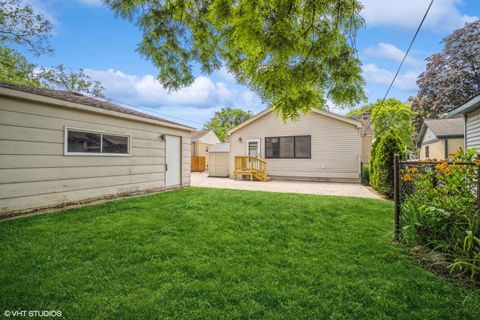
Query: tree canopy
[226, 119]
[294, 54]
[393, 116]
[452, 75]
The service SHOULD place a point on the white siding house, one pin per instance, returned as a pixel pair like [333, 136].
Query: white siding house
[440, 138]
[59, 148]
[319, 146]
[470, 111]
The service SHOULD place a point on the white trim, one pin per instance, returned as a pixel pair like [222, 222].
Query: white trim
[258, 141]
[356, 123]
[91, 154]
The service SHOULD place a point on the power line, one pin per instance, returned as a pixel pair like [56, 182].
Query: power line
[408, 50]
[155, 112]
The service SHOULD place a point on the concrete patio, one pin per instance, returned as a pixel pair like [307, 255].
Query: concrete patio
[320, 188]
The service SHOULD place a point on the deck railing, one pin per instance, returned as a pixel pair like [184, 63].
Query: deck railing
[253, 167]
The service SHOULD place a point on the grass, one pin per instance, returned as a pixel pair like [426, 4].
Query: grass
[211, 254]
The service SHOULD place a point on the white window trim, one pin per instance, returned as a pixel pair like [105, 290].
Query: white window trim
[257, 140]
[87, 154]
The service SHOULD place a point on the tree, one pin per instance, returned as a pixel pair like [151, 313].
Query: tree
[294, 54]
[359, 111]
[19, 25]
[79, 82]
[393, 115]
[15, 68]
[451, 76]
[226, 119]
[382, 164]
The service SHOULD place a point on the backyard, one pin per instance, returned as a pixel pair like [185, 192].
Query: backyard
[214, 253]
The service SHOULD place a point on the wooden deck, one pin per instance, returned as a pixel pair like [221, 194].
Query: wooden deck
[252, 167]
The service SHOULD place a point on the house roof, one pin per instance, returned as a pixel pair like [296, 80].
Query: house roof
[468, 106]
[220, 147]
[357, 123]
[84, 100]
[199, 134]
[442, 128]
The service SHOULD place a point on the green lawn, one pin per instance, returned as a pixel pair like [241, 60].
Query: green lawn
[211, 254]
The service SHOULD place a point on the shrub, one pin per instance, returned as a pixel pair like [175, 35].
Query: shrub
[365, 174]
[382, 164]
[373, 153]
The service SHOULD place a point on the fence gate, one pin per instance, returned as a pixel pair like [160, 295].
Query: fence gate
[198, 164]
[449, 185]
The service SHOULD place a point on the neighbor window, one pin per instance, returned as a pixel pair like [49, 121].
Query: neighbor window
[298, 147]
[427, 152]
[91, 142]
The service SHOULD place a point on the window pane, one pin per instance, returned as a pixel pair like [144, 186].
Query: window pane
[302, 147]
[83, 142]
[286, 147]
[272, 147]
[253, 148]
[115, 144]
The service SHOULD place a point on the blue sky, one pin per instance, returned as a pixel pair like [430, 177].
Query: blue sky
[87, 35]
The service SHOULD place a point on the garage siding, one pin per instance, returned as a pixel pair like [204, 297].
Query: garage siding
[335, 147]
[34, 172]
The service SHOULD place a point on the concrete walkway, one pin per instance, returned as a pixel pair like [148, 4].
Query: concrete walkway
[323, 188]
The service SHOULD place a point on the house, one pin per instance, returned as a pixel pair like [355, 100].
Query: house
[440, 138]
[367, 136]
[470, 112]
[202, 141]
[319, 146]
[59, 148]
[218, 158]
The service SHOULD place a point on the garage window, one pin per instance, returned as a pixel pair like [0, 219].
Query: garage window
[86, 142]
[295, 147]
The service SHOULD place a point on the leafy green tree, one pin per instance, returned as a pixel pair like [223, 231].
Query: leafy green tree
[21, 26]
[387, 147]
[226, 119]
[61, 77]
[393, 115]
[14, 68]
[294, 54]
[359, 111]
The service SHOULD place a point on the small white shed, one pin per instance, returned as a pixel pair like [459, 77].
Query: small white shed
[219, 160]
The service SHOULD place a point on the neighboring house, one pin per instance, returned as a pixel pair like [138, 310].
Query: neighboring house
[319, 146]
[367, 136]
[219, 160]
[440, 138]
[59, 148]
[470, 112]
[202, 140]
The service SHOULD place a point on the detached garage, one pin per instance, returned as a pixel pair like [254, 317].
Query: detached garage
[219, 160]
[59, 148]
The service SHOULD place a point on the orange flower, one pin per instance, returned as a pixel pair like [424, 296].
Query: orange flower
[441, 166]
[477, 162]
[407, 178]
[413, 170]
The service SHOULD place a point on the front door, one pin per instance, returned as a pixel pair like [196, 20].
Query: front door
[253, 147]
[173, 160]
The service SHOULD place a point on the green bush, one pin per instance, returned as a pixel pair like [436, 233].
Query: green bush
[365, 174]
[440, 211]
[382, 164]
[372, 177]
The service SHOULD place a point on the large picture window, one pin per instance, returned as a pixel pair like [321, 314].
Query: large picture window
[85, 142]
[298, 147]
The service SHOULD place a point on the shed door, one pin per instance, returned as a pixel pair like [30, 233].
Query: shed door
[173, 161]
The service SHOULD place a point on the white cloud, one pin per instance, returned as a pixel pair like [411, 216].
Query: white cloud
[196, 102]
[443, 16]
[391, 52]
[404, 82]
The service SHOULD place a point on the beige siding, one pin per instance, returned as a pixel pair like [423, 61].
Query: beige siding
[454, 145]
[366, 148]
[34, 172]
[472, 128]
[335, 150]
[436, 151]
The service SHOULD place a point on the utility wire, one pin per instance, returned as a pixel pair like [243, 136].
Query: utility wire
[406, 53]
[155, 112]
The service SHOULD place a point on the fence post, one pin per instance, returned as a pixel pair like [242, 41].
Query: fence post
[478, 184]
[396, 194]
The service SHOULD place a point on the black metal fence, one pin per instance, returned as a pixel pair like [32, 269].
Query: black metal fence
[446, 186]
